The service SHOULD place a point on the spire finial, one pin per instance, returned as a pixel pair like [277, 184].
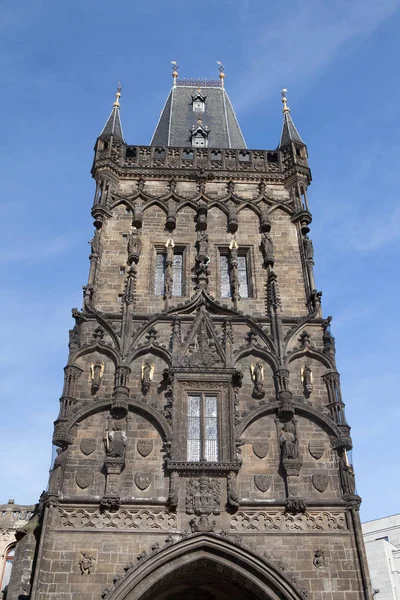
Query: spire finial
[175, 68]
[118, 95]
[285, 108]
[221, 72]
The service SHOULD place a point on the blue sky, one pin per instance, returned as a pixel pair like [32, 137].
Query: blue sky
[59, 64]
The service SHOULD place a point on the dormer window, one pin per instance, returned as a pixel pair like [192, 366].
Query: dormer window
[198, 102]
[199, 135]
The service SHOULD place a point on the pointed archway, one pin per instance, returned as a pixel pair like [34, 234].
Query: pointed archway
[204, 567]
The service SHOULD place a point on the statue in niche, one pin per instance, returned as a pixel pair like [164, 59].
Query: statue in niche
[288, 442]
[308, 248]
[257, 375]
[116, 441]
[319, 559]
[327, 337]
[95, 243]
[96, 373]
[147, 375]
[347, 477]
[267, 249]
[307, 379]
[134, 246]
[56, 471]
[202, 258]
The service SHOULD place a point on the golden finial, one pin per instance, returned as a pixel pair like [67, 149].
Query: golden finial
[284, 100]
[199, 121]
[175, 68]
[118, 94]
[221, 72]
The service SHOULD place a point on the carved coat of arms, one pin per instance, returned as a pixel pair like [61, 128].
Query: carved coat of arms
[88, 445]
[145, 447]
[262, 482]
[320, 482]
[142, 481]
[203, 496]
[260, 448]
[316, 449]
[84, 477]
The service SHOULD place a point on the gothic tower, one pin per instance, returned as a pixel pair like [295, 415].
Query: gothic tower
[202, 440]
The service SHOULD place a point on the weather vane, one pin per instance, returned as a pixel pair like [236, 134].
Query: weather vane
[284, 100]
[118, 94]
[175, 68]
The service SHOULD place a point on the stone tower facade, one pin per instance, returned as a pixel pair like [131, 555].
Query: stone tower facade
[202, 440]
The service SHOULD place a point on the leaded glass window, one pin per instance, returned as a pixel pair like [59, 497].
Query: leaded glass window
[202, 435]
[7, 568]
[242, 272]
[224, 276]
[159, 282]
[224, 269]
[177, 274]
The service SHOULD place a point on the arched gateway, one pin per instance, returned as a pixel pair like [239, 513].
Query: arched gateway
[204, 567]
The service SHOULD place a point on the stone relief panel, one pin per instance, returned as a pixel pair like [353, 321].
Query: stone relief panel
[280, 521]
[259, 476]
[141, 520]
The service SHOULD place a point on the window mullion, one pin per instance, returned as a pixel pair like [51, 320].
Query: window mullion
[202, 429]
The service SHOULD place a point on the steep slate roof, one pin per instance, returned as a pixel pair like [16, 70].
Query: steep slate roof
[289, 132]
[113, 125]
[177, 118]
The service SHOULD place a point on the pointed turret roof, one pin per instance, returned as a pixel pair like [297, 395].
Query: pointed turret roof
[179, 114]
[289, 132]
[113, 125]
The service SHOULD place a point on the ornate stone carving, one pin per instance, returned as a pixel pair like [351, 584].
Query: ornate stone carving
[142, 481]
[144, 520]
[347, 478]
[88, 445]
[145, 447]
[260, 448]
[262, 482]
[319, 559]
[327, 338]
[281, 521]
[203, 496]
[173, 498]
[86, 563]
[316, 449]
[320, 481]
[84, 477]
[288, 441]
[202, 523]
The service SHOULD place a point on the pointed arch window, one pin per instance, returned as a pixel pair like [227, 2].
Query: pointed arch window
[8, 565]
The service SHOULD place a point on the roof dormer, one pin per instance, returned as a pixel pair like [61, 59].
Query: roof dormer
[198, 102]
[199, 135]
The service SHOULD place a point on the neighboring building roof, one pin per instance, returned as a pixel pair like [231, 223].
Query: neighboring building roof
[178, 117]
[113, 125]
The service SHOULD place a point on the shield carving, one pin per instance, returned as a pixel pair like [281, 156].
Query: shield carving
[262, 482]
[142, 481]
[145, 447]
[88, 445]
[320, 482]
[316, 449]
[84, 477]
[260, 448]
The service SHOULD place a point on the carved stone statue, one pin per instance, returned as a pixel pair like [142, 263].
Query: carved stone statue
[116, 441]
[257, 373]
[147, 375]
[288, 442]
[319, 559]
[327, 337]
[56, 471]
[95, 243]
[267, 249]
[347, 477]
[308, 248]
[86, 563]
[74, 338]
[134, 246]
[307, 378]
